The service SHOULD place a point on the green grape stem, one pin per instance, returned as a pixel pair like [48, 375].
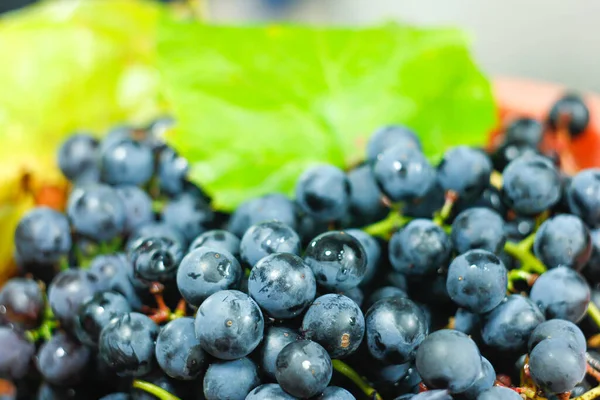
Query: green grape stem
[594, 313]
[386, 226]
[154, 390]
[351, 374]
[522, 252]
[519, 275]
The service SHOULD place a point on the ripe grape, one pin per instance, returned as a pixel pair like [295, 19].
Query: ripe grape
[266, 238]
[563, 240]
[525, 130]
[372, 250]
[573, 107]
[557, 365]
[583, 194]
[78, 158]
[126, 162]
[178, 351]
[16, 353]
[21, 302]
[266, 208]
[335, 393]
[389, 136]
[366, 205]
[499, 393]
[62, 360]
[138, 206]
[485, 380]
[218, 239]
[68, 291]
[220, 376]
[269, 391]
[303, 368]
[42, 236]
[323, 192]
[465, 171]
[172, 171]
[275, 339]
[478, 228]
[188, 215]
[156, 259]
[558, 328]
[96, 313]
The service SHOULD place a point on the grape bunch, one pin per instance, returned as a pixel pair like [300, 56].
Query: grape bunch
[473, 279]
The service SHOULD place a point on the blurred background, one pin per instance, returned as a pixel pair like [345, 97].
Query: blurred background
[553, 40]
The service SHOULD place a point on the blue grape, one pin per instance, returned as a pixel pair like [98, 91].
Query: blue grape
[337, 259]
[116, 396]
[478, 228]
[172, 170]
[269, 391]
[336, 323]
[507, 152]
[390, 136]
[477, 281]
[323, 192]
[308, 227]
[592, 269]
[356, 294]
[68, 291]
[465, 171]
[126, 162]
[96, 212]
[438, 394]
[466, 321]
[275, 339]
[96, 313]
[372, 250]
[395, 329]
[420, 248]
[556, 365]
[266, 238]
[335, 393]
[282, 285]
[366, 205]
[558, 329]
[524, 130]
[78, 158]
[563, 240]
[218, 239]
[561, 293]
[138, 207]
[303, 368]
[390, 374]
[230, 379]
[508, 326]
[490, 198]
[116, 135]
[16, 353]
[403, 173]
[62, 360]
[42, 236]
[188, 215]
[106, 266]
[127, 344]
[398, 280]
[449, 359]
[484, 381]
[266, 208]
[384, 292]
[157, 230]
[121, 282]
[156, 259]
[531, 184]
[178, 351]
[583, 195]
[205, 271]
[499, 393]
[574, 109]
[426, 206]
[229, 325]
[21, 303]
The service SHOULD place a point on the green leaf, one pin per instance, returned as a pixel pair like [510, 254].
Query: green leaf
[257, 105]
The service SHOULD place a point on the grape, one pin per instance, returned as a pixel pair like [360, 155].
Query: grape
[478, 228]
[432, 395]
[335, 393]
[303, 368]
[384, 293]
[477, 281]
[269, 391]
[337, 259]
[68, 291]
[154, 229]
[391, 374]
[561, 293]
[138, 207]
[403, 173]
[96, 313]
[178, 351]
[592, 269]
[465, 171]
[127, 344]
[499, 393]
[583, 195]
[508, 326]
[573, 107]
[426, 206]
[491, 198]
[269, 207]
[524, 130]
[395, 329]
[557, 365]
[448, 359]
[484, 381]
[323, 192]
[366, 205]
[372, 250]
[229, 325]
[558, 328]
[398, 280]
[507, 152]
[220, 376]
[188, 215]
[42, 236]
[563, 240]
[218, 239]
[530, 185]
[21, 302]
[122, 283]
[390, 136]
[126, 162]
[282, 284]
[266, 238]
[116, 396]
[336, 323]
[96, 212]
[466, 321]
[62, 360]
[275, 339]
[78, 158]
[205, 271]
[16, 353]
[172, 171]
[420, 248]
[106, 266]
[156, 259]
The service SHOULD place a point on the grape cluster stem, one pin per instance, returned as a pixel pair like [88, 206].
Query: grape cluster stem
[154, 390]
[359, 381]
[163, 313]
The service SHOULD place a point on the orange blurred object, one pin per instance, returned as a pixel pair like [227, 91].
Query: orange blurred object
[518, 97]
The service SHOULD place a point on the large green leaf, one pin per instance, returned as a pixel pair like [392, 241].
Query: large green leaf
[257, 105]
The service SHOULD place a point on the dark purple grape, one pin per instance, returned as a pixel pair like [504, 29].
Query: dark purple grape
[156, 259]
[62, 360]
[68, 291]
[78, 158]
[22, 302]
[293, 374]
[42, 236]
[96, 313]
[16, 353]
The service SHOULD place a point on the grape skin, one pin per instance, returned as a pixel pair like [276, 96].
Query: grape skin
[178, 351]
[220, 375]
